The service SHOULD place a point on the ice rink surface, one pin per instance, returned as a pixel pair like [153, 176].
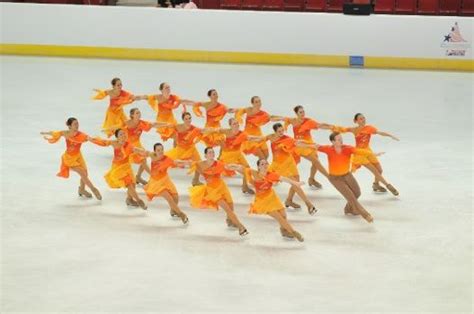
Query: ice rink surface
[61, 253]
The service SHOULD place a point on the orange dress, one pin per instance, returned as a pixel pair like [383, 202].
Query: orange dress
[266, 200]
[284, 157]
[231, 151]
[72, 157]
[340, 163]
[303, 132]
[160, 180]
[134, 135]
[362, 139]
[165, 114]
[214, 191]
[213, 117]
[185, 144]
[120, 174]
[252, 127]
[115, 117]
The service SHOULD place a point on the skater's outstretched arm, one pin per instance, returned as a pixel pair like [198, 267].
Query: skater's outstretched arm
[388, 135]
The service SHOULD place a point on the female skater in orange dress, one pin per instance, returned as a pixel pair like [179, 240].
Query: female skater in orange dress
[302, 127]
[185, 137]
[160, 184]
[121, 174]
[134, 128]
[339, 160]
[115, 117]
[72, 158]
[215, 112]
[254, 119]
[164, 104]
[284, 163]
[362, 133]
[266, 201]
[231, 152]
[214, 193]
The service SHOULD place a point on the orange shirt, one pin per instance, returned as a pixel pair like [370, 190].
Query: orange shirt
[213, 173]
[266, 183]
[73, 143]
[362, 137]
[122, 154]
[284, 147]
[187, 138]
[123, 98]
[213, 115]
[303, 131]
[339, 163]
[254, 122]
[164, 109]
[233, 143]
[159, 167]
[135, 133]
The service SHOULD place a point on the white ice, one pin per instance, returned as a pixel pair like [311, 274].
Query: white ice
[61, 253]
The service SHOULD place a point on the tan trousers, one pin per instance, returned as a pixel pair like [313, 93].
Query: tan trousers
[350, 190]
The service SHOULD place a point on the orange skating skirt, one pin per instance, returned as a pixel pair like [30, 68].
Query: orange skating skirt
[113, 120]
[184, 153]
[71, 161]
[208, 195]
[120, 175]
[359, 160]
[265, 203]
[284, 166]
[233, 157]
[158, 185]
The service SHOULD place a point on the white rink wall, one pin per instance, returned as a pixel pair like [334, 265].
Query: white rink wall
[233, 31]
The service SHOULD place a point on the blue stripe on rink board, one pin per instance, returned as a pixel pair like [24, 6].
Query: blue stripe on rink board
[357, 61]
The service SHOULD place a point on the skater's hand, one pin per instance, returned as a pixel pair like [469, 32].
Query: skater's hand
[395, 138]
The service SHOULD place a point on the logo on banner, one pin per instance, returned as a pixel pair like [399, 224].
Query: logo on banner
[454, 43]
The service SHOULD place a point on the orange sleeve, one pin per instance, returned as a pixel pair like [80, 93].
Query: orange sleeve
[248, 176]
[55, 136]
[219, 168]
[145, 125]
[101, 142]
[101, 94]
[194, 167]
[176, 101]
[340, 129]
[167, 163]
[372, 129]
[309, 124]
[239, 115]
[273, 177]
[287, 122]
[324, 149]
[152, 102]
[197, 110]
